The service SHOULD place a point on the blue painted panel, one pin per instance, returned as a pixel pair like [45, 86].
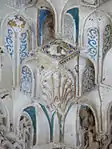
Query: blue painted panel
[9, 43]
[74, 12]
[92, 42]
[49, 120]
[23, 51]
[31, 111]
[43, 13]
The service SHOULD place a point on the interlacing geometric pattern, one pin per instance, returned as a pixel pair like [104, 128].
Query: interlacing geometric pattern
[23, 46]
[92, 34]
[9, 42]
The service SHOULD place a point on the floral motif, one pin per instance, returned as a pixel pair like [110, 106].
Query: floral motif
[107, 39]
[26, 80]
[9, 42]
[59, 93]
[92, 34]
[17, 23]
[88, 79]
[23, 46]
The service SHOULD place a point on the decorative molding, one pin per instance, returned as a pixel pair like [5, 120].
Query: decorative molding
[18, 4]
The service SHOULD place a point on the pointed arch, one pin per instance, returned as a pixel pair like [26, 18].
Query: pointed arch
[69, 29]
[27, 80]
[36, 114]
[107, 39]
[88, 125]
[32, 113]
[17, 40]
[71, 24]
[46, 25]
[96, 38]
[16, 34]
[26, 129]
[88, 79]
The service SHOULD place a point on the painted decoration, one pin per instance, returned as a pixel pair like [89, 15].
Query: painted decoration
[17, 23]
[92, 34]
[69, 29]
[9, 41]
[74, 12]
[26, 80]
[107, 39]
[88, 81]
[50, 120]
[31, 112]
[45, 26]
[58, 49]
[18, 34]
[23, 51]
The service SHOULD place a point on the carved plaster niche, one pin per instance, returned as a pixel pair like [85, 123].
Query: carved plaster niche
[46, 26]
[26, 129]
[88, 128]
[28, 77]
[92, 3]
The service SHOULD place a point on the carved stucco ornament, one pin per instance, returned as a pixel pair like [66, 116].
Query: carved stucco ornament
[18, 4]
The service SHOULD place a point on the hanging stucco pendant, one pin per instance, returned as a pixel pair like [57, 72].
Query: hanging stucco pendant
[19, 4]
